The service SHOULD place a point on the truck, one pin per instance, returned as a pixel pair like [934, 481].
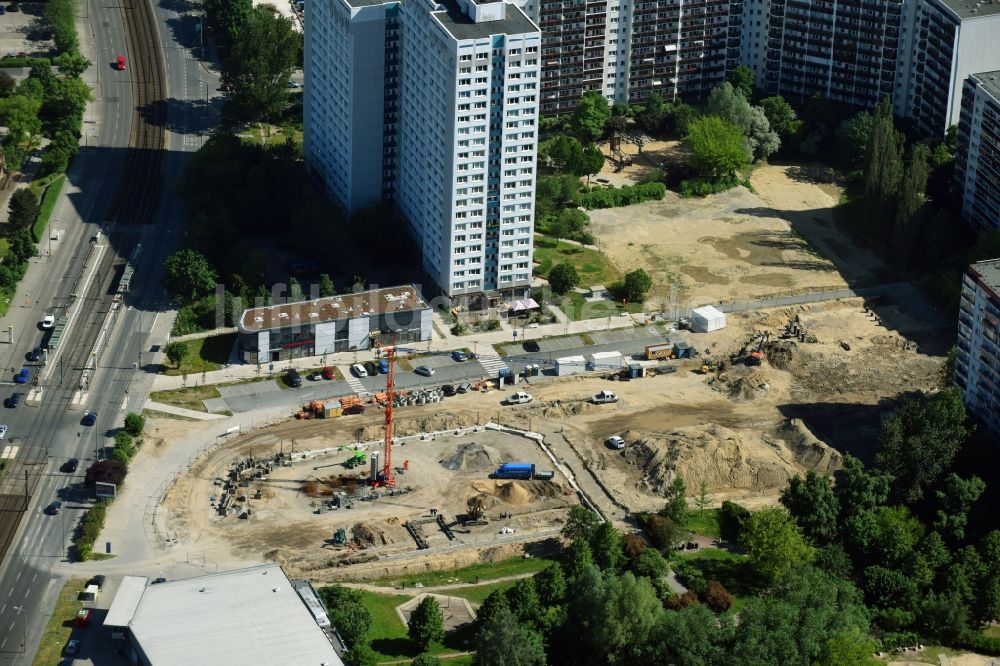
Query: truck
[514, 470]
[546, 475]
[604, 398]
[519, 398]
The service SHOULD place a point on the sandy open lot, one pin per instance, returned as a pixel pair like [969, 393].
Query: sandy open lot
[734, 245]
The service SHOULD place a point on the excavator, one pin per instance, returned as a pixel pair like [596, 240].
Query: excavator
[475, 512]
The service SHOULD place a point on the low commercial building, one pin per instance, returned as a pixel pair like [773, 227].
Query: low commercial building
[977, 356]
[334, 324]
[249, 616]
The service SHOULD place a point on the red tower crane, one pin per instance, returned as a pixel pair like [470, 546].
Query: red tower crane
[387, 478]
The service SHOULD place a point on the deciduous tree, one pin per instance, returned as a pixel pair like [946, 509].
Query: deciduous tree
[606, 545]
[176, 353]
[502, 641]
[563, 277]
[426, 623]
[551, 585]
[774, 542]
[953, 503]
[589, 116]
[717, 147]
[187, 275]
[780, 115]
[260, 62]
[23, 209]
[741, 79]
[636, 284]
[813, 505]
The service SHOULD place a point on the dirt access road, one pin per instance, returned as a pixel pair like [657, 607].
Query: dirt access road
[737, 244]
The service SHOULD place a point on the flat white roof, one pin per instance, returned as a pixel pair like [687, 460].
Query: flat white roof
[126, 601]
[249, 616]
[709, 312]
[578, 360]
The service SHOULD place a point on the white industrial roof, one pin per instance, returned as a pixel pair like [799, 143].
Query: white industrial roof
[126, 601]
[709, 312]
[250, 616]
[570, 360]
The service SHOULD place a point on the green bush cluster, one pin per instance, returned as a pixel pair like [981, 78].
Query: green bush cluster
[25, 62]
[195, 317]
[125, 447]
[60, 15]
[702, 187]
[623, 196]
[90, 529]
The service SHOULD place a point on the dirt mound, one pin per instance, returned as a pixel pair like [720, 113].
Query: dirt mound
[575, 408]
[474, 456]
[403, 427]
[367, 535]
[725, 458]
[517, 493]
[779, 354]
[747, 386]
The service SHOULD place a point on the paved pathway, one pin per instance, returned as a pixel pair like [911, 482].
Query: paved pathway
[414, 591]
[180, 411]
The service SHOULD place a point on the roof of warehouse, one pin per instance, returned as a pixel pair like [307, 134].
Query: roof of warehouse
[126, 601]
[347, 306]
[461, 26]
[249, 616]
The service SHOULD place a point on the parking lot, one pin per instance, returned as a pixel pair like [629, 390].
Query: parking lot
[22, 31]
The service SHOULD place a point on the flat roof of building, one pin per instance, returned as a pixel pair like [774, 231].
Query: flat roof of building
[249, 616]
[346, 306]
[973, 8]
[989, 272]
[358, 4]
[461, 26]
[990, 82]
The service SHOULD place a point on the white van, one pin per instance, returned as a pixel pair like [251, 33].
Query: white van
[359, 370]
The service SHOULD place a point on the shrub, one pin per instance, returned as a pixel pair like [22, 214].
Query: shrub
[677, 602]
[732, 516]
[90, 529]
[632, 545]
[690, 576]
[702, 187]
[134, 423]
[105, 471]
[717, 597]
[624, 196]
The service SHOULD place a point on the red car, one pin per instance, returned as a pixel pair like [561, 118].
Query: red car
[120, 63]
[328, 373]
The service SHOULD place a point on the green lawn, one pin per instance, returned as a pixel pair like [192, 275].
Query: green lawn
[576, 308]
[273, 135]
[484, 571]
[592, 266]
[204, 355]
[189, 398]
[60, 627]
[706, 524]
[388, 634]
[49, 196]
[478, 593]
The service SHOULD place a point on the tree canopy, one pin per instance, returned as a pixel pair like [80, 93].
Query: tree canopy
[774, 542]
[426, 623]
[588, 118]
[187, 275]
[717, 147]
[259, 64]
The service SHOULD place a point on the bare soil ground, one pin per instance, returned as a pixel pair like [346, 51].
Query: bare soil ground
[743, 432]
[737, 244]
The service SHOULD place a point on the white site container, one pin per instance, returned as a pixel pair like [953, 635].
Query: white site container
[570, 365]
[707, 319]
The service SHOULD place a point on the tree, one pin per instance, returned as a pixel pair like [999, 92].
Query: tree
[21, 115]
[953, 503]
[23, 209]
[260, 62]
[942, 617]
[849, 649]
[60, 15]
[716, 146]
[855, 136]
[636, 285]
[910, 200]
[134, 423]
[774, 543]
[326, 288]
[581, 523]
[859, 490]
[502, 641]
[701, 500]
[884, 170]
[71, 64]
[663, 531]
[676, 507]
[348, 614]
[7, 84]
[732, 518]
[295, 293]
[741, 79]
[523, 602]
[718, 597]
[426, 623]
[632, 545]
[919, 441]
[813, 504]
[425, 660]
[176, 352]
[591, 161]
[551, 585]
[491, 607]
[187, 275]
[606, 545]
[653, 115]
[570, 223]
[762, 141]
[361, 654]
[566, 152]
[589, 116]
[780, 115]
[577, 559]
[563, 277]
[652, 565]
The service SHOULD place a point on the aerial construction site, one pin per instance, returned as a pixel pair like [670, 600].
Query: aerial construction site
[774, 393]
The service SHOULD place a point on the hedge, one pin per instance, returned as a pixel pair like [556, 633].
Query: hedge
[702, 187]
[623, 196]
[90, 528]
[25, 62]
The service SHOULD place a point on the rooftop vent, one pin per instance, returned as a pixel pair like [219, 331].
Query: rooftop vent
[258, 319]
[313, 314]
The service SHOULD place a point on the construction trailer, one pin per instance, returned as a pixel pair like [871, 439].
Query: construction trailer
[707, 319]
[606, 360]
[659, 351]
[570, 365]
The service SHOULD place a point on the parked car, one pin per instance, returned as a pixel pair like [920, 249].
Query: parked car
[158, 581]
[72, 646]
[35, 355]
[424, 371]
[519, 398]
[89, 419]
[292, 83]
[48, 321]
[292, 378]
[358, 370]
[383, 366]
[71, 465]
[459, 356]
[327, 373]
[22, 377]
[98, 580]
[615, 442]
[464, 387]
[3, 430]
[371, 367]
[531, 346]
[54, 508]
[448, 390]
[13, 401]
[314, 377]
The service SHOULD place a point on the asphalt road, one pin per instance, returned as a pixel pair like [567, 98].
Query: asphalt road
[28, 584]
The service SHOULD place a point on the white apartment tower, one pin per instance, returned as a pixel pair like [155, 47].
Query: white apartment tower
[977, 355]
[433, 105]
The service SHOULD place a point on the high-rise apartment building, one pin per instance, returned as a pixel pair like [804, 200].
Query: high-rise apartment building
[977, 357]
[432, 105]
[977, 165]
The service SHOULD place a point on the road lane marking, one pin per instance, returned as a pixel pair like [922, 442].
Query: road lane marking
[34, 577]
[27, 592]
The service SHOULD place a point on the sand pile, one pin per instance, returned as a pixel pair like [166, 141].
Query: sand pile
[779, 354]
[403, 427]
[367, 535]
[747, 386]
[474, 456]
[516, 493]
[575, 408]
[725, 458]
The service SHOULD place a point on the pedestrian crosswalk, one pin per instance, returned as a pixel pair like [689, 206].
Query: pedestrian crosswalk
[492, 364]
[354, 382]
